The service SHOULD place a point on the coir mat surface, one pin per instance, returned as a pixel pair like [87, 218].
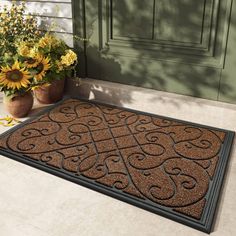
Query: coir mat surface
[167, 166]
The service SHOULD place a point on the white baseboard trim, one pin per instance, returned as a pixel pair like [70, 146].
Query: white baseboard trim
[120, 94]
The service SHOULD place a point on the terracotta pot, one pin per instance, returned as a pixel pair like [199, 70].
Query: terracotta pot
[20, 105]
[51, 93]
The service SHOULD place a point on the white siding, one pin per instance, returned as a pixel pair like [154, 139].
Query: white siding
[48, 11]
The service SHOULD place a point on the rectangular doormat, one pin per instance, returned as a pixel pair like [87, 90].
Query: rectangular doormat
[167, 166]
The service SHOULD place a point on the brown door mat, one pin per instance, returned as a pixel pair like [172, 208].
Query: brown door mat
[169, 167]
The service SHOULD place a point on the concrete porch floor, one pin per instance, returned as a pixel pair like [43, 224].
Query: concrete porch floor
[35, 203]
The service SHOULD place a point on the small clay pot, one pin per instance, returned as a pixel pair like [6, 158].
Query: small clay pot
[51, 93]
[20, 105]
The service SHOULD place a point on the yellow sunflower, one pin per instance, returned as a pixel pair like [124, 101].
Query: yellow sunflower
[47, 41]
[42, 68]
[14, 77]
[31, 62]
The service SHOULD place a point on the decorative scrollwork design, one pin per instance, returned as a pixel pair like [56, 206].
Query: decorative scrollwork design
[166, 162]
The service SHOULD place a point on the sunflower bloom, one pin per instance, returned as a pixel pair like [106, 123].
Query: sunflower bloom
[14, 77]
[47, 41]
[42, 68]
[33, 61]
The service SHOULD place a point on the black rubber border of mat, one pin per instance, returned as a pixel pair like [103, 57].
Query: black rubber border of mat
[208, 217]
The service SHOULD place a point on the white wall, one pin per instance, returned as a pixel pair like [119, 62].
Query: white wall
[58, 11]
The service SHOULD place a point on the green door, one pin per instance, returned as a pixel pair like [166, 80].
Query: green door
[171, 45]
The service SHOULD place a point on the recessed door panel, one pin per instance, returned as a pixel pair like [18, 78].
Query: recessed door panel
[170, 45]
[180, 20]
[128, 21]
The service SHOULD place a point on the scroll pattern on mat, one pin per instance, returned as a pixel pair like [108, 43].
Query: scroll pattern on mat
[162, 161]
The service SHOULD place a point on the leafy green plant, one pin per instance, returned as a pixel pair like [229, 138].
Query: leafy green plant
[29, 57]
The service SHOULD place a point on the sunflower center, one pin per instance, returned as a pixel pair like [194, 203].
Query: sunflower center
[31, 60]
[40, 67]
[14, 75]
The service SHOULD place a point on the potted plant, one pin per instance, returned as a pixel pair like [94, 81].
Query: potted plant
[52, 62]
[15, 78]
[15, 82]
[31, 59]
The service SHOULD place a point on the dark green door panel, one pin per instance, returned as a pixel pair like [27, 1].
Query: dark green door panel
[227, 91]
[127, 18]
[79, 29]
[161, 75]
[180, 21]
[171, 45]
